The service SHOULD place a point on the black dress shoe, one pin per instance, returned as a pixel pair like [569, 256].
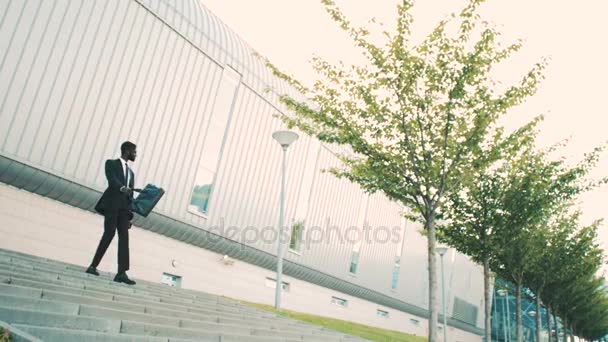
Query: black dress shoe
[92, 270]
[122, 278]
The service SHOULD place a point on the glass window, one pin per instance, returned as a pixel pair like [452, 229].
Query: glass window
[201, 191]
[272, 283]
[382, 313]
[303, 201]
[225, 94]
[354, 262]
[339, 301]
[362, 216]
[212, 146]
[397, 265]
[214, 138]
[171, 280]
[396, 270]
[296, 236]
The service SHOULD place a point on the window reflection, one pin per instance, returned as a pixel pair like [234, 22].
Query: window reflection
[201, 191]
[354, 262]
[396, 270]
[296, 236]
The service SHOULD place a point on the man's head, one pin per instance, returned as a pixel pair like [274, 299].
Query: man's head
[128, 151]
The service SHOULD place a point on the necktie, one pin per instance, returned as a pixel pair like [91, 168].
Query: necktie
[126, 175]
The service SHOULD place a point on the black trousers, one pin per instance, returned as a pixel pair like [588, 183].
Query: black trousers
[116, 221]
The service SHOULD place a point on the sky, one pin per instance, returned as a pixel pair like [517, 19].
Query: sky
[573, 36]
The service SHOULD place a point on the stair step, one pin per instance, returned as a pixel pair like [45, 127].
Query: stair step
[73, 335]
[47, 319]
[36, 304]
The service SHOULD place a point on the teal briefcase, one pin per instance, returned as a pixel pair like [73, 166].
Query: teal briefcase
[147, 199]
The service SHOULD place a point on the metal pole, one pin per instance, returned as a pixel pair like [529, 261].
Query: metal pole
[445, 325]
[279, 284]
[508, 315]
[495, 316]
[504, 319]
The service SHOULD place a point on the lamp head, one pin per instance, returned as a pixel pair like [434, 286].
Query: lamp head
[285, 138]
[441, 250]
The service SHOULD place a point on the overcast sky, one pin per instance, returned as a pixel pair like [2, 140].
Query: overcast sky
[573, 34]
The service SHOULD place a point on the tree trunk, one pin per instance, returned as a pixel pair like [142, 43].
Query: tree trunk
[565, 326]
[539, 324]
[549, 324]
[519, 327]
[432, 267]
[487, 298]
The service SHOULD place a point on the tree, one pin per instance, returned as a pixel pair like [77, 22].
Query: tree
[475, 212]
[589, 319]
[572, 282]
[551, 247]
[416, 116]
[538, 187]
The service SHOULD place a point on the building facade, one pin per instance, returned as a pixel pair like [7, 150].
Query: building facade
[78, 77]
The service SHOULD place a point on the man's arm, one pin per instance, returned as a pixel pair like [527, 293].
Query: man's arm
[132, 182]
[113, 181]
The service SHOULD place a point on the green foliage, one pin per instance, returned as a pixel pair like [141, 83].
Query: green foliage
[570, 286]
[416, 118]
[502, 214]
[5, 335]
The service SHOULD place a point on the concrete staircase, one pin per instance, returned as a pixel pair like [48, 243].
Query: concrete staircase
[47, 300]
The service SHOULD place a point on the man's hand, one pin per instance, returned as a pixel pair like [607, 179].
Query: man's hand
[126, 190]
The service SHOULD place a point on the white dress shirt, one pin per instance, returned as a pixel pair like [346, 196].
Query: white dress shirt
[124, 170]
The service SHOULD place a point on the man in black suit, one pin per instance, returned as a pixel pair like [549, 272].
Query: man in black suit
[115, 206]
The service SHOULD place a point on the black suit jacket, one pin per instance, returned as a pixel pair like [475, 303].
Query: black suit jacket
[112, 199]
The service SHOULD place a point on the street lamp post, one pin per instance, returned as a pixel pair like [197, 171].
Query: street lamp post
[508, 314]
[284, 138]
[442, 251]
[532, 314]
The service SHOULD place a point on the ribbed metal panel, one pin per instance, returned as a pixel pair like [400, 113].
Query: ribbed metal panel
[379, 248]
[79, 77]
[413, 276]
[334, 203]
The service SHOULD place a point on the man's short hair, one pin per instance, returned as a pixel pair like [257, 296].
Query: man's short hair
[127, 146]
